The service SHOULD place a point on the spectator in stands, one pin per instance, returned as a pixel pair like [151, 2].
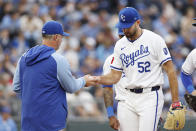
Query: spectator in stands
[83, 104]
[6, 121]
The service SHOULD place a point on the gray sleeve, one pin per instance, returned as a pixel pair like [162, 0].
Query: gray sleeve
[16, 79]
[67, 81]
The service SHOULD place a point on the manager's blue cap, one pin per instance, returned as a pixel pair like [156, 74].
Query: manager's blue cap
[52, 28]
[127, 17]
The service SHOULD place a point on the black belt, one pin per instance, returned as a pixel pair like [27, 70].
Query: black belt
[140, 90]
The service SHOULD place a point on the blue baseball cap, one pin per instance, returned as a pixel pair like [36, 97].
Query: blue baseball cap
[120, 31]
[52, 28]
[127, 17]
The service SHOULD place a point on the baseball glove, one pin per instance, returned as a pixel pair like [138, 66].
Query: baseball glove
[191, 100]
[175, 118]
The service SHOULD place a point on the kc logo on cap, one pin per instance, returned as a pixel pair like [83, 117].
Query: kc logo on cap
[122, 17]
[127, 17]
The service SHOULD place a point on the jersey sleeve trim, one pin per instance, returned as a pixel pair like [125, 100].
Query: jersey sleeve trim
[185, 72]
[167, 59]
[115, 68]
[111, 86]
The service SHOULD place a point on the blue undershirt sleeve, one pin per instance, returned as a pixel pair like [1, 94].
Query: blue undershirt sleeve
[16, 80]
[187, 82]
[65, 77]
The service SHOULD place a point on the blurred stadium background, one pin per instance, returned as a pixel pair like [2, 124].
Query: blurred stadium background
[91, 24]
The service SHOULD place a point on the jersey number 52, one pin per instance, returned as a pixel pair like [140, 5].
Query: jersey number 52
[143, 66]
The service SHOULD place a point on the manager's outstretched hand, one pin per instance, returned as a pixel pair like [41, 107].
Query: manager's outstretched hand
[90, 80]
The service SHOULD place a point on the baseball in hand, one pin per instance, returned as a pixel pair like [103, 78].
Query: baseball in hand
[91, 77]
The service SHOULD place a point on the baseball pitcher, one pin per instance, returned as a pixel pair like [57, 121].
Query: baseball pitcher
[141, 55]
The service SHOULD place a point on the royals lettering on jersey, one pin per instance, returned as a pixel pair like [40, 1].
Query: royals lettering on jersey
[134, 56]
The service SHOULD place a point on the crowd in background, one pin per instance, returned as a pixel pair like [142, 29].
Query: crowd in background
[91, 24]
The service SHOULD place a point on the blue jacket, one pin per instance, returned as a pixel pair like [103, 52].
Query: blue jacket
[42, 77]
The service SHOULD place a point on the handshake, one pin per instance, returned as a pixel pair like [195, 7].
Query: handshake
[92, 80]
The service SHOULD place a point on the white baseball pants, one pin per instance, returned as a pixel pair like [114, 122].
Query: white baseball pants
[140, 112]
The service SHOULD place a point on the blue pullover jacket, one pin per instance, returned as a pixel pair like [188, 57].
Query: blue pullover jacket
[41, 79]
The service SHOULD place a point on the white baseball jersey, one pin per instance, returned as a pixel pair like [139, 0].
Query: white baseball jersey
[189, 65]
[120, 86]
[141, 59]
